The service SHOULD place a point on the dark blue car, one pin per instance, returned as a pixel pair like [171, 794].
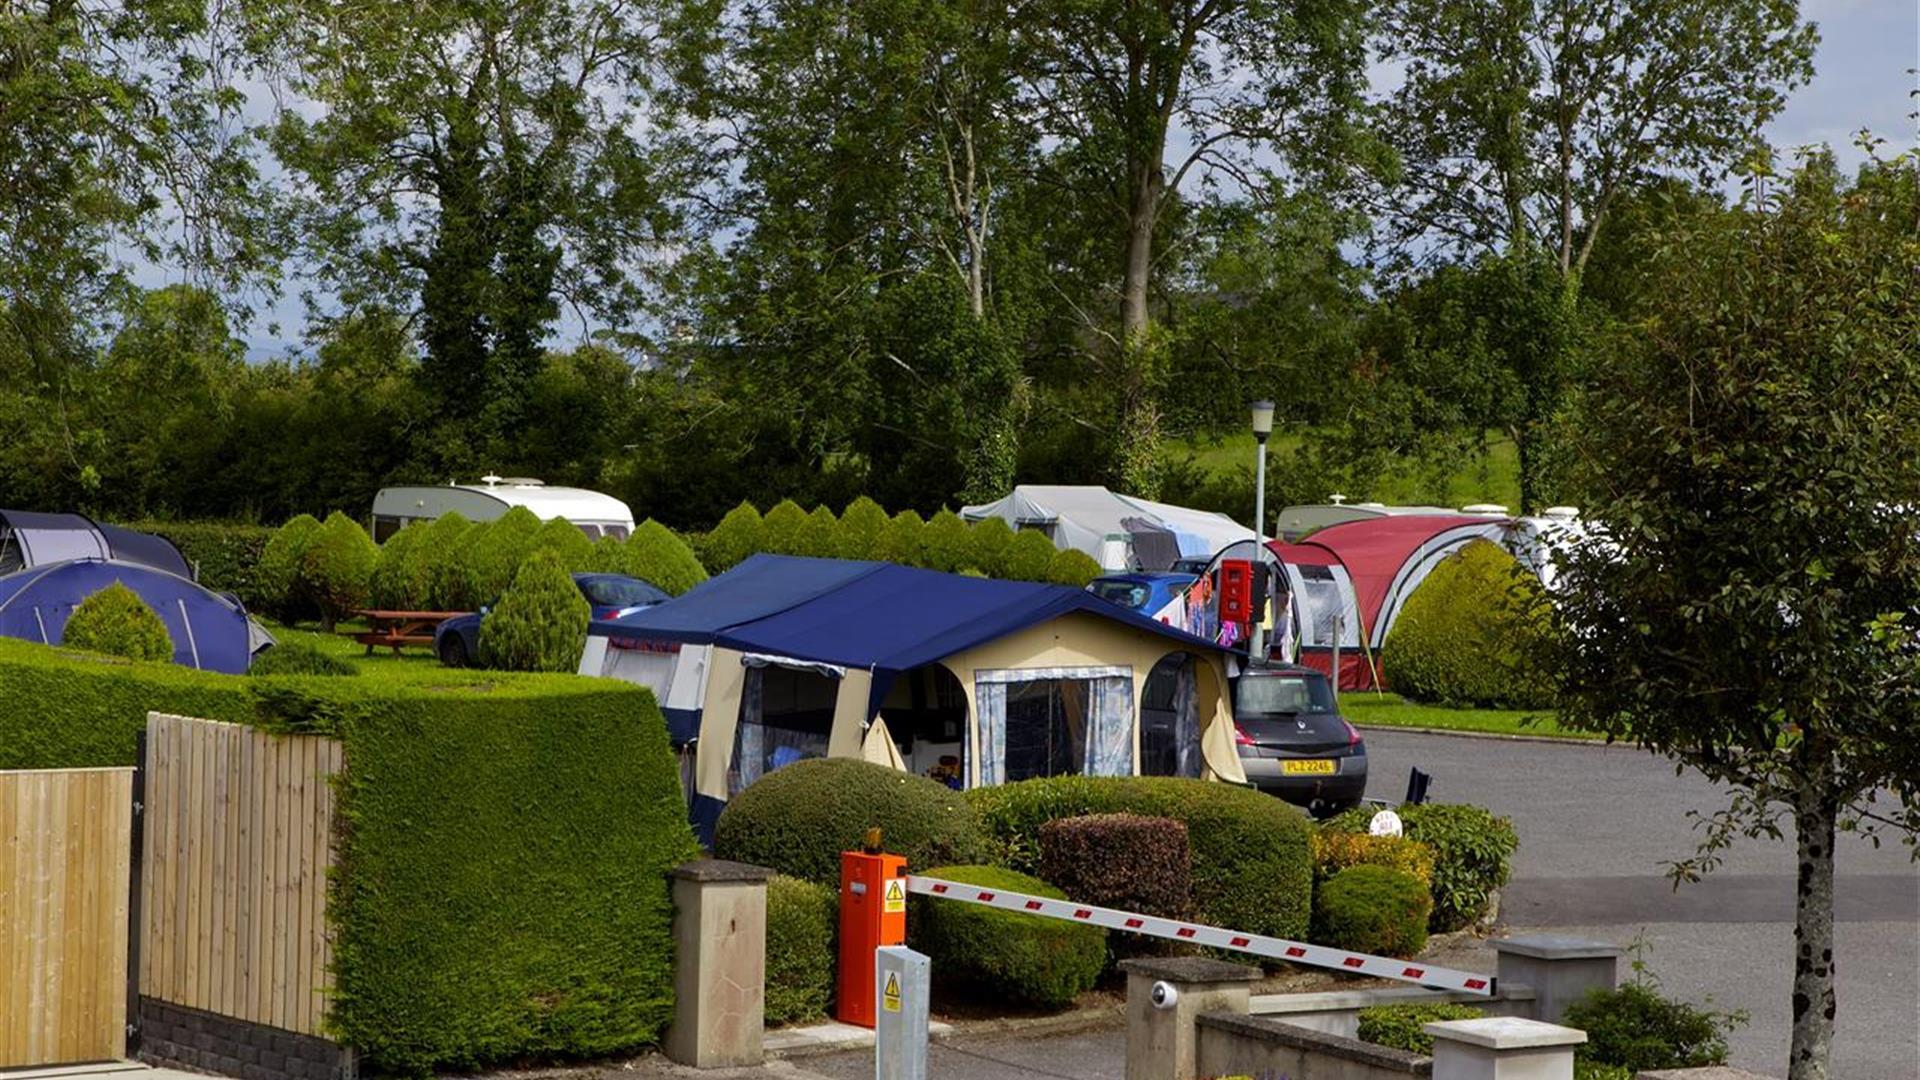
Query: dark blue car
[457, 641]
[1144, 593]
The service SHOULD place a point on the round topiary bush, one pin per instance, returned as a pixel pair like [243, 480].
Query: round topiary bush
[945, 543]
[1005, 956]
[336, 569]
[862, 526]
[278, 578]
[1251, 870]
[1030, 557]
[438, 563]
[1472, 855]
[115, 621]
[541, 621]
[655, 555]
[1072, 567]
[566, 540]
[900, 542]
[1467, 633]
[798, 819]
[493, 551]
[783, 529]
[395, 584]
[1372, 909]
[740, 533]
[802, 924]
[300, 658]
[988, 546]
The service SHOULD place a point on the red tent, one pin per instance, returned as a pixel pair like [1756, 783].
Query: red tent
[1360, 573]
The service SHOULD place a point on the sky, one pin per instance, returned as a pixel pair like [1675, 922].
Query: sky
[1864, 78]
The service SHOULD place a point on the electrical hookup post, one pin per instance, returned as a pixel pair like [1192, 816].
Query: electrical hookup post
[873, 915]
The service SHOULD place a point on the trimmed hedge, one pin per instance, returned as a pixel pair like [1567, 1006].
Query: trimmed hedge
[803, 919]
[336, 567]
[1003, 956]
[1334, 851]
[1123, 861]
[1073, 567]
[1466, 634]
[399, 580]
[278, 578]
[225, 556]
[1252, 869]
[1472, 855]
[798, 819]
[116, 622]
[1400, 1026]
[501, 890]
[300, 658]
[1372, 909]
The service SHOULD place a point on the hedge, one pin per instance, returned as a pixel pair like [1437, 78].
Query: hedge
[541, 621]
[1252, 869]
[798, 819]
[1472, 855]
[1403, 1026]
[500, 891]
[1335, 850]
[1004, 956]
[226, 557]
[656, 555]
[336, 567]
[1467, 633]
[300, 658]
[802, 923]
[115, 621]
[1122, 861]
[1372, 909]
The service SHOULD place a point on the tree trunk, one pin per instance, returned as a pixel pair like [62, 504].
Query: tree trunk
[1143, 206]
[1813, 1001]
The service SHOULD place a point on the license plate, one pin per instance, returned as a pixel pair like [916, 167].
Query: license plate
[1310, 768]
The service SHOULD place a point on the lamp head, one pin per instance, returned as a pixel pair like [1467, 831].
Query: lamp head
[1262, 419]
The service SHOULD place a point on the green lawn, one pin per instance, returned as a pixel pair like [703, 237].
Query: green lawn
[416, 661]
[1391, 710]
[1490, 477]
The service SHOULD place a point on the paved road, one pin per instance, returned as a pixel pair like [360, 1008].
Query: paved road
[1597, 824]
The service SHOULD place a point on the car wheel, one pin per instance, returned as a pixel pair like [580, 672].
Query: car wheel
[1321, 811]
[453, 651]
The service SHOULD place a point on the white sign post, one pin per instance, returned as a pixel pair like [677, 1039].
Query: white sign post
[902, 979]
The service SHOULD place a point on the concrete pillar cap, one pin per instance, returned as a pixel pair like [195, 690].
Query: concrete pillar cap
[1556, 947]
[1189, 969]
[1505, 1033]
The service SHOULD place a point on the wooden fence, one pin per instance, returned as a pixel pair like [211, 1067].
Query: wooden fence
[65, 859]
[238, 844]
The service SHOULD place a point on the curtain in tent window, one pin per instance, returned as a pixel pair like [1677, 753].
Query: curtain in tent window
[1053, 721]
[1186, 723]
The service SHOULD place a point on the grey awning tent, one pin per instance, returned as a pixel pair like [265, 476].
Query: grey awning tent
[1094, 520]
[29, 538]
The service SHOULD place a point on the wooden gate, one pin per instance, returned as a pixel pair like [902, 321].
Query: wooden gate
[65, 863]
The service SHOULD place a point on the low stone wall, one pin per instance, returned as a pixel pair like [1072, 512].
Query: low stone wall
[1231, 1045]
[1337, 1012]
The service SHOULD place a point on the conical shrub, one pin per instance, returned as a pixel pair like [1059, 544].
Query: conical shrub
[541, 621]
[901, 542]
[394, 585]
[496, 549]
[1073, 567]
[1029, 557]
[862, 528]
[785, 527]
[819, 535]
[656, 555]
[740, 534]
[278, 577]
[117, 622]
[438, 564]
[566, 540]
[337, 567]
[988, 546]
[946, 544]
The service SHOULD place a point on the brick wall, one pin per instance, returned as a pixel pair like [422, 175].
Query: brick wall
[176, 1035]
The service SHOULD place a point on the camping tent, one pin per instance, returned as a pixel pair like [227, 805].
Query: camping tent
[972, 680]
[1299, 520]
[209, 631]
[1103, 524]
[28, 538]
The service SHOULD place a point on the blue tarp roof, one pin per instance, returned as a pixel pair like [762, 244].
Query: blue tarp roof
[872, 615]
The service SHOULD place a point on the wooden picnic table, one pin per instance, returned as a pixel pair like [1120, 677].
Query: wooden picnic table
[394, 629]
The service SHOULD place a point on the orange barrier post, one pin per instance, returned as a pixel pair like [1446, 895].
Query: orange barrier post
[873, 912]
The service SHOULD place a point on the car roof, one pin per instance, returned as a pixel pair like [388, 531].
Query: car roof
[1146, 578]
[1281, 669]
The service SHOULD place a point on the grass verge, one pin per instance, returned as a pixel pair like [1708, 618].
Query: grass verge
[1391, 710]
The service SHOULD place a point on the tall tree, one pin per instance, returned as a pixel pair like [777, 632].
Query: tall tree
[1748, 605]
[1141, 93]
[1521, 125]
[479, 163]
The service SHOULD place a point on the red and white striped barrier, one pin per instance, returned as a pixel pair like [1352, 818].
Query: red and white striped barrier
[1295, 952]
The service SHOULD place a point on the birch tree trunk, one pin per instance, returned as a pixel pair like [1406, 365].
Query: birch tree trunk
[1813, 1000]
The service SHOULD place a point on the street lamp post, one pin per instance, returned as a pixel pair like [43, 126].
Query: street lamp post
[1262, 427]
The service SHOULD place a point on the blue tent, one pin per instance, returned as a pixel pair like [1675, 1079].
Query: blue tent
[209, 631]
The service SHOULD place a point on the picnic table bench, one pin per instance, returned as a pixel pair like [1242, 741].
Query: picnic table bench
[394, 629]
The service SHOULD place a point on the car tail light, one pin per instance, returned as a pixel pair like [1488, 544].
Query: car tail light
[1240, 736]
[1353, 733]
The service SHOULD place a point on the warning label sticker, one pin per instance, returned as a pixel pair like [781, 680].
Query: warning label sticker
[890, 995]
[896, 901]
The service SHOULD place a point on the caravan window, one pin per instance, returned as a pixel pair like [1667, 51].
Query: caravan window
[618, 532]
[786, 715]
[385, 525]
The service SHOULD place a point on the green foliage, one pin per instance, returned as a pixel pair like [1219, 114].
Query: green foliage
[803, 922]
[1472, 853]
[784, 529]
[1372, 909]
[394, 586]
[740, 534]
[300, 658]
[541, 621]
[1251, 866]
[1469, 634]
[988, 547]
[1399, 1026]
[1073, 567]
[63, 709]
[1334, 850]
[1634, 1027]
[439, 562]
[1005, 956]
[819, 536]
[225, 556]
[946, 544]
[901, 542]
[494, 550]
[116, 622]
[1029, 557]
[609, 556]
[655, 555]
[863, 525]
[337, 567]
[566, 541]
[798, 819]
[281, 560]
[1587, 1069]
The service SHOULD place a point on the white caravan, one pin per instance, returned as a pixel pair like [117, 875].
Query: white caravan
[597, 515]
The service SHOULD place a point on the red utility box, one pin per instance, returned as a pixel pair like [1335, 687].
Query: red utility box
[873, 912]
[1236, 591]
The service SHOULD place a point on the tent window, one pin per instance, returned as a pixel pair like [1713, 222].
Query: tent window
[12, 556]
[1046, 728]
[1052, 722]
[1320, 604]
[1170, 720]
[786, 715]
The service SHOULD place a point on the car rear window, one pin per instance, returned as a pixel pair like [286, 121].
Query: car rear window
[614, 592]
[1127, 594]
[1282, 694]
